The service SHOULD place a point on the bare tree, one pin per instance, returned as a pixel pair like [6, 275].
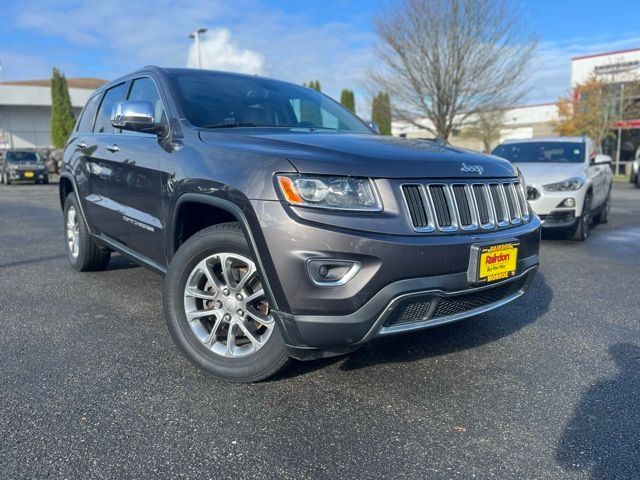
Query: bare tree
[444, 59]
[485, 126]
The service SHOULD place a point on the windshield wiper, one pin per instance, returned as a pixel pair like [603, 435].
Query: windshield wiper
[230, 125]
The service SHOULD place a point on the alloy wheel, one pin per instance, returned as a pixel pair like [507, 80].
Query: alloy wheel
[226, 306]
[73, 232]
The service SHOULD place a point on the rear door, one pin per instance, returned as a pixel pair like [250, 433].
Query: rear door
[134, 184]
[85, 165]
[99, 162]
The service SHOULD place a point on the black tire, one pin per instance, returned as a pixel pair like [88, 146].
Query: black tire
[90, 256]
[581, 232]
[263, 363]
[638, 180]
[603, 216]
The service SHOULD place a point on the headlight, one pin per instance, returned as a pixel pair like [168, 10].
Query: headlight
[337, 193]
[574, 183]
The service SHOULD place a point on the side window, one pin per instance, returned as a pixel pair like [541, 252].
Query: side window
[103, 120]
[144, 89]
[88, 114]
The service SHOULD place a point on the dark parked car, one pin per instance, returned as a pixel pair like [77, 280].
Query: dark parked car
[284, 225]
[23, 166]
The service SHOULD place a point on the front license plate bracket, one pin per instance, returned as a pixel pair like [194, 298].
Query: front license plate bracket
[493, 262]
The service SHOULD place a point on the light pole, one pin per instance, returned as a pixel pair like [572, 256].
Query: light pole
[196, 36]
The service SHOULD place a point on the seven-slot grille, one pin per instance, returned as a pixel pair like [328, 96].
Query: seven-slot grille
[451, 207]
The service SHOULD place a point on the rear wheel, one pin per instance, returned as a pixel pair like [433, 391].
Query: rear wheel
[216, 308]
[583, 228]
[83, 252]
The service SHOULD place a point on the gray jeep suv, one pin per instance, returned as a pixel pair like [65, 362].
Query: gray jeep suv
[285, 226]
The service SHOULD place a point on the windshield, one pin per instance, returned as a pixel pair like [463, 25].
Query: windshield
[219, 100]
[545, 152]
[16, 157]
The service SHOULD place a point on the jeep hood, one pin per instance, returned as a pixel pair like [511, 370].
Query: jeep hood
[364, 155]
[543, 173]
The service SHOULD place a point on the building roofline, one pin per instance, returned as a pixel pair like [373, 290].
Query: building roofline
[544, 104]
[604, 54]
[88, 83]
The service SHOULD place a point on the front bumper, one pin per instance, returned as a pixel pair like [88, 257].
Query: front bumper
[395, 270]
[24, 176]
[398, 309]
[548, 205]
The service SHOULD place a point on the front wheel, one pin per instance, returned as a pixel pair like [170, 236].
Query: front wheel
[583, 228]
[603, 216]
[216, 308]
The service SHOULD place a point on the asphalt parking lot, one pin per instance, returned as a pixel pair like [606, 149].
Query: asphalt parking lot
[91, 385]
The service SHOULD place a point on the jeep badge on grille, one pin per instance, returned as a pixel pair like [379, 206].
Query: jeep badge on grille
[479, 169]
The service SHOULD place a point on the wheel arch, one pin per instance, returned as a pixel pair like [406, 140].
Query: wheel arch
[68, 185]
[65, 188]
[221, 211]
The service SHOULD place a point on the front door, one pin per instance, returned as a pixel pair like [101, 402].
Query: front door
[134, 187]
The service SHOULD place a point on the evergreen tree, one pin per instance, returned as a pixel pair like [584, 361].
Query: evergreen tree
[381, 112]
[62, 119]
[348, 100]
[314, 84]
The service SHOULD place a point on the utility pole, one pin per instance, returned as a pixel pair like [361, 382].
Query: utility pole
[196, 36]
[620, 114]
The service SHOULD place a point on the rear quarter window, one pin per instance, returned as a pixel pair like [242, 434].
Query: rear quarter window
[88, 114]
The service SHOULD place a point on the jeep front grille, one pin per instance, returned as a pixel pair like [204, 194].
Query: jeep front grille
[453, 207]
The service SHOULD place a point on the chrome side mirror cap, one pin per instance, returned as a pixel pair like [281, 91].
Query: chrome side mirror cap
[373, 126]
[134, 115]
[602, 159]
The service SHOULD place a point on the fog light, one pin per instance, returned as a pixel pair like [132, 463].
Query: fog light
[567, 203]
[329, 272]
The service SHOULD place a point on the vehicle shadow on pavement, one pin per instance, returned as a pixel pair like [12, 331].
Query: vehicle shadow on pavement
[120, 262]
[604, 434]
[442, 340]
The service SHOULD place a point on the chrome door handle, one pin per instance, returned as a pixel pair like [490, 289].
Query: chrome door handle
[81, 145]
[113, 148]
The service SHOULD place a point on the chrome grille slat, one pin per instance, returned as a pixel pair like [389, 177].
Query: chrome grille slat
[465, 206]
[443, 207]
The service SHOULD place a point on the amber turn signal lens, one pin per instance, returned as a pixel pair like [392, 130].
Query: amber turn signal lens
[289, 191]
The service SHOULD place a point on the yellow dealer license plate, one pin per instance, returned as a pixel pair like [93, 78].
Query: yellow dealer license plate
[497, 262]
[28, 174]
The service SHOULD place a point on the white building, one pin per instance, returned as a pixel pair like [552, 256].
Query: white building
[526, 121]
[25, 110]
[611, 67]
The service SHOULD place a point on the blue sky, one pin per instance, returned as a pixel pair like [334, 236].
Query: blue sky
[295, 40]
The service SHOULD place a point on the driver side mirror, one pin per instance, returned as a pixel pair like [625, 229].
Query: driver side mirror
[136, 116]
[599, 159]
[373, 126]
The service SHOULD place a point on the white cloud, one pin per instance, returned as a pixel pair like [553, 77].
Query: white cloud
[111, 38]
[219, 52]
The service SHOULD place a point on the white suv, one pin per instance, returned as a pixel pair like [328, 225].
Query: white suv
[568, 181]
[635, 169]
